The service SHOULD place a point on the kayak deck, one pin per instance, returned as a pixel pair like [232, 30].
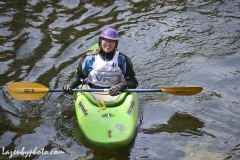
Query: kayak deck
[111, 127]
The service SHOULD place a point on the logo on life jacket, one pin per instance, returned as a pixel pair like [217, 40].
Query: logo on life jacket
[114, 65]
[106, 78]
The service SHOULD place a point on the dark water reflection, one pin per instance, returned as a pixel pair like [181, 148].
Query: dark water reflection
[171, 43]
[184, 124]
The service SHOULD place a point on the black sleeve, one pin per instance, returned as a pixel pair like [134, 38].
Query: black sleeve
[78, 76]
[131, 80]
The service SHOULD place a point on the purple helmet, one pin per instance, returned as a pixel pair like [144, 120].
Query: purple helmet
[109, 33]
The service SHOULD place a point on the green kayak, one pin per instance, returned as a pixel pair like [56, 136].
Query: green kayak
[107, 122]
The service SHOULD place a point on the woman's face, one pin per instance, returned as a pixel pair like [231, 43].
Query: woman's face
[108, 45]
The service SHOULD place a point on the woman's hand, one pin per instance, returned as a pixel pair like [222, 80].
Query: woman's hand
[67, 89]
[117, 89]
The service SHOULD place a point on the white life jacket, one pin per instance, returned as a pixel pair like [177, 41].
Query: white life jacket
[105, 74]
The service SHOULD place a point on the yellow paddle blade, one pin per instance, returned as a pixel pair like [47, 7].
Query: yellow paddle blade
[182, 91]
[27, 90]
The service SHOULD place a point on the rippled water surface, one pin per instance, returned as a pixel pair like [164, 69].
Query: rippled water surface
[171, 43]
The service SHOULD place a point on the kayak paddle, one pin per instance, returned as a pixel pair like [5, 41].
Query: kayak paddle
[32, 90]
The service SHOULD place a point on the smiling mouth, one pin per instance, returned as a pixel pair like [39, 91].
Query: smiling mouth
[107, 47]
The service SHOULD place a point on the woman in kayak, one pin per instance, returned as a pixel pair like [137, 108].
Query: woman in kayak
[105, 67]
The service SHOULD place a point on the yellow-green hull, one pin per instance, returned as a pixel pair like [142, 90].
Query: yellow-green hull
[109, 128]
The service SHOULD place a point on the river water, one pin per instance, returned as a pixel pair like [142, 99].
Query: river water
[171, 43]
